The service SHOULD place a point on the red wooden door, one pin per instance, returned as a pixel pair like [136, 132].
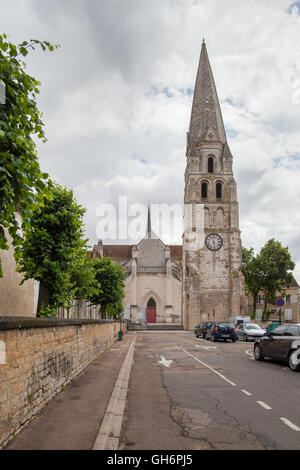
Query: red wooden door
[151, 314]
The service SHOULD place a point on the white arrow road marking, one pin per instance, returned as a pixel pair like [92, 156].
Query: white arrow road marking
[165, 362]
[250, 353]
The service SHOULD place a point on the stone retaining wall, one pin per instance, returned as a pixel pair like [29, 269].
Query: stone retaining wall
[39, 357]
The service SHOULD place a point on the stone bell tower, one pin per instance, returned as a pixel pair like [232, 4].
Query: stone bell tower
[213, 283]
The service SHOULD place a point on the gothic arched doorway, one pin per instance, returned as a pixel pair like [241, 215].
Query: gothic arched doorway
[151, 311]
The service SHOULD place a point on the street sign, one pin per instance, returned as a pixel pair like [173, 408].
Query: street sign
[280, 302]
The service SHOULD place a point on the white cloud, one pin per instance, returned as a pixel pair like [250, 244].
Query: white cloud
[116, 102]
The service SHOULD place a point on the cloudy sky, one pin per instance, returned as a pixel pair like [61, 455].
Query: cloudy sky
[117, 97]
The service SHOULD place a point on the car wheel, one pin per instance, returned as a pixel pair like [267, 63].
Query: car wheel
[234, 340]
[258, 355]
[246, 338]
[294, 360]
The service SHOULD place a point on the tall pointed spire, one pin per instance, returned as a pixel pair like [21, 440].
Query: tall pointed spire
[149, 230]
[206, 118]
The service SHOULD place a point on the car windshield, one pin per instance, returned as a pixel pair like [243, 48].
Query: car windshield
[226, 325]
[250, 326]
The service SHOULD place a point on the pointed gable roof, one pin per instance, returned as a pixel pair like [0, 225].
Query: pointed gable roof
[206, 119]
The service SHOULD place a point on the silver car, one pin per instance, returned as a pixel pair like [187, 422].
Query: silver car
[250, 331]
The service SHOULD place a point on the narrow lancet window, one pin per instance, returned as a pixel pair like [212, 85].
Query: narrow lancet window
[210, 165]
[219, 190]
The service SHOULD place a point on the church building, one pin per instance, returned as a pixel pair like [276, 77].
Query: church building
[189, 283]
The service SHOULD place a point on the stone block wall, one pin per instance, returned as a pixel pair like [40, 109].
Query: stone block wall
[39, 357]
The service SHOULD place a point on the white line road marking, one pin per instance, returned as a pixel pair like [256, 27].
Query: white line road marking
[247, 393]
[208, 347]
[210, 368]
[165, 362]
[290, 424]
[264, 405]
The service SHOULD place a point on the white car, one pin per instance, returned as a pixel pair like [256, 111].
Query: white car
[250, 331]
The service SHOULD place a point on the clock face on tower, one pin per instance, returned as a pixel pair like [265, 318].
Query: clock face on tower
[214, 242]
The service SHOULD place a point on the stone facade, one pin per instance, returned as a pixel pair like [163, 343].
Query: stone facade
[153, 274]
[41, 356]
[213, 283]
[199, 283]
[290, 311]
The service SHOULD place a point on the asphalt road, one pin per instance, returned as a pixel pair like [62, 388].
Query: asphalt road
[210, 396]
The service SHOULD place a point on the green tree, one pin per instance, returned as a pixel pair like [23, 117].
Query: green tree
[111, 279]
[115, 310]
[53, 247]
[21, 180]
[84, 281]
[268, 272]
[252, 271]
[276, 264]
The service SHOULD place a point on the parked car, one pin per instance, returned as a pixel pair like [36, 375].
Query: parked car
[250, 331]
[221, 330]
[200, 330]
[274, 324]
[282, 344]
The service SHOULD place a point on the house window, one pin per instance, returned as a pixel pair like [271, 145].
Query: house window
[258, 316]
[260, 299]
[219, 191]
[288, 314]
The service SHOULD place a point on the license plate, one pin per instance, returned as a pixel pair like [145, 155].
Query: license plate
[226, 336]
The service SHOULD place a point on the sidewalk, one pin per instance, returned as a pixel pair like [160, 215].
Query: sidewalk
[71, 420]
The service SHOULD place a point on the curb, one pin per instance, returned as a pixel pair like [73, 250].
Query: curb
[110, 429]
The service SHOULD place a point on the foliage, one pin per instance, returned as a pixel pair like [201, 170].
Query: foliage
[53, 247]
[251, 269]
[267, 272]
[266, 314]
[84, 280]
[276, 264]
[21, 180]
[115, 310]
[111, 278]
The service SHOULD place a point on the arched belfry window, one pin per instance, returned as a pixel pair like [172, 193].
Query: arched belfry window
[210, 165]
[204, 187]
[151, 303]
[219, 191]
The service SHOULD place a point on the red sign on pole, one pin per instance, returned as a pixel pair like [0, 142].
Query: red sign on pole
[280, 302]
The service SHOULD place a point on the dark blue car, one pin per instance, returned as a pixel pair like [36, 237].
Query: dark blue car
[221, 330]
